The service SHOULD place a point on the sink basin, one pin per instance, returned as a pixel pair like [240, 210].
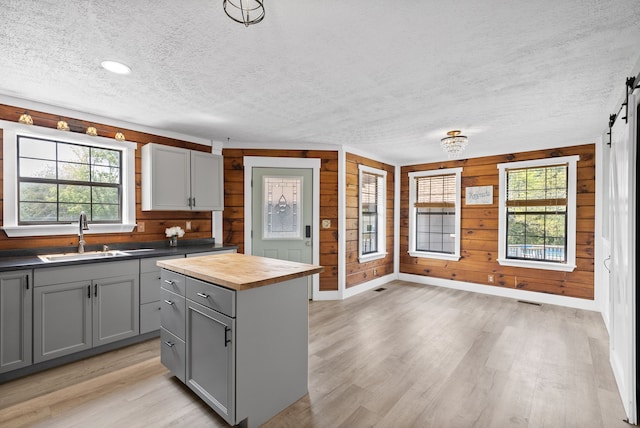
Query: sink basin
[68, 257]
[139, 250]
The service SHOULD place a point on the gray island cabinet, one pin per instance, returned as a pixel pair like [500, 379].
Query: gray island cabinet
[235, 331]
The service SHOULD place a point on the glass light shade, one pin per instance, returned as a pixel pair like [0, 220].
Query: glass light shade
[246, 12]
[62, 125]
[454, 144]
[119, 136]
[92, 131]
[26, 119]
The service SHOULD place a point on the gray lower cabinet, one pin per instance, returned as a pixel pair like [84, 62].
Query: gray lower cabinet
[80, 307]
[210, 358]
[15, 320]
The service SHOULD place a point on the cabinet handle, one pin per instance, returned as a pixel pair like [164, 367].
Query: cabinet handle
[168, 302]
[95, 290]
[88, 291]
[189, 201]
[169, 344]
[226, 330]
[194, 201]
[27, 277]
[170, 282]
[204, 296]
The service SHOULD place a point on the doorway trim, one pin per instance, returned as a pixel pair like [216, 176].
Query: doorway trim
[249, 162]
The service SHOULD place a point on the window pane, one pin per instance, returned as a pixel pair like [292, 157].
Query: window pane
[108, 195]
[38, 192]
[39, 149]
[73, 171]
[105, 212]
[73, 153]
[37, 212]
[37, 168]
[75, 194]
[71, 212]
[105, 157]
[282, 197]
[105, 174]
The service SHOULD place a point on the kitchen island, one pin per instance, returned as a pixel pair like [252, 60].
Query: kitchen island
[235, 331]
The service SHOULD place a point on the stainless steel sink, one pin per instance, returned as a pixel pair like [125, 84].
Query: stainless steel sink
[139, 250]
[68, 257]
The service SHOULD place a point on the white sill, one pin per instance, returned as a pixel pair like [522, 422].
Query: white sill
[439, 256]
[65, 229]
[372, 257]
[562, 267]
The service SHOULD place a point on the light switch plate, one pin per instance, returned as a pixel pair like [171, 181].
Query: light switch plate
[140, 226]
[188, 225]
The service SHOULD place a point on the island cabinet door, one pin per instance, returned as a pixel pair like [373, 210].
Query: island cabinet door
[211, 358]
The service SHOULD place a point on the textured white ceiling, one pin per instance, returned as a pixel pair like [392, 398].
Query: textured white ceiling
[385, 78]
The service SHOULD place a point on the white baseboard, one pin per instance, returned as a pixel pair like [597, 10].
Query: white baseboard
[529, 296]
[374, 283]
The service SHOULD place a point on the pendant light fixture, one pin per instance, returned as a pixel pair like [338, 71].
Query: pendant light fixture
[247, 12]
[454, 144]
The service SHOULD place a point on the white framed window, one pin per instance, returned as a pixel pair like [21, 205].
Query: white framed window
[537, 214]
[50, 176]
[372, 206]
[434, 214]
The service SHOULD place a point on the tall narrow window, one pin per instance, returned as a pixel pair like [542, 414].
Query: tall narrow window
[372, 207]
[434, 225]
[537, 218]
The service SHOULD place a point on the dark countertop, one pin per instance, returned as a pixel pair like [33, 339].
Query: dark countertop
[28, 259]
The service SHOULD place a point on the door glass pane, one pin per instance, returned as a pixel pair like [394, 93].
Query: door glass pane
[282, 206]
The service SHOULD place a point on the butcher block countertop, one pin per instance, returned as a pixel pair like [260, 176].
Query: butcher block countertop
[239, 271]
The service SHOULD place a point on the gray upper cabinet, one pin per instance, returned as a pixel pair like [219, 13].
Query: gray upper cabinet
[15, 320]
[180, 179]
[80, 307]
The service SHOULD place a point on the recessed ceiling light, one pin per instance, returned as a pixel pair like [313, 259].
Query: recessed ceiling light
[115, 67]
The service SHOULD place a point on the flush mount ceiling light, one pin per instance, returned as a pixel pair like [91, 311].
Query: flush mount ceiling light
[454, 144]
[115, 67]
[247, 12]
[26, 119]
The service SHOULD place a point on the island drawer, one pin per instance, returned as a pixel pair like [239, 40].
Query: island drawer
[212, 296]
[172, 281]
[173, 312]
[173, 353]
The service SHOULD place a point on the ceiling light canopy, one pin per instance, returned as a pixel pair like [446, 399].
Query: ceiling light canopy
[115, 67]
[246, 12]
[454, 144]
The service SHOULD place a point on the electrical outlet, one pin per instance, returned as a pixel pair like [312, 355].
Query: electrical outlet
[490, 278]
[326, 224]
[375, 272]
[188, 225]
[141, 226]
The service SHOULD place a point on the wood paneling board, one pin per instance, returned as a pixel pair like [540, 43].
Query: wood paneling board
[155, 221]
[358, 272]
[479, 234]
[233, 214]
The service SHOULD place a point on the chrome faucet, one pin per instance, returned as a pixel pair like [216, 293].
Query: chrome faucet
[82, 226]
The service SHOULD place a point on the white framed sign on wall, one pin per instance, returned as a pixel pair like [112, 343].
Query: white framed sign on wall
[479, 195]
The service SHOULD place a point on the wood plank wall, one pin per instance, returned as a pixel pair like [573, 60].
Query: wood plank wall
[357, 272]
[155, 222]
[233, 215]
[479, 245]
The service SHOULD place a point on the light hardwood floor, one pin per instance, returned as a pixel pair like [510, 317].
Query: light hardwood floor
[408, 356]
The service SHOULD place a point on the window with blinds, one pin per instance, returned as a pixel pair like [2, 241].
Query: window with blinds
[536, 206]
[434, 219]
[435, 213]
[372, 207]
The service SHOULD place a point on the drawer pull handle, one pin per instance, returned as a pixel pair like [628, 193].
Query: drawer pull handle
[170, 282]
[168, 302]
[226, 341]
[204, 296]
[169, 344]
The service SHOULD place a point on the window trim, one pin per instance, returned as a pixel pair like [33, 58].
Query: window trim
[382, 217]
[572, 174]
[412, 213]
[10, 226]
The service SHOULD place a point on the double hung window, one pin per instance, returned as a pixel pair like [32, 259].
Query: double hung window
[537, 213]
[434, 222]
[372, 209]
